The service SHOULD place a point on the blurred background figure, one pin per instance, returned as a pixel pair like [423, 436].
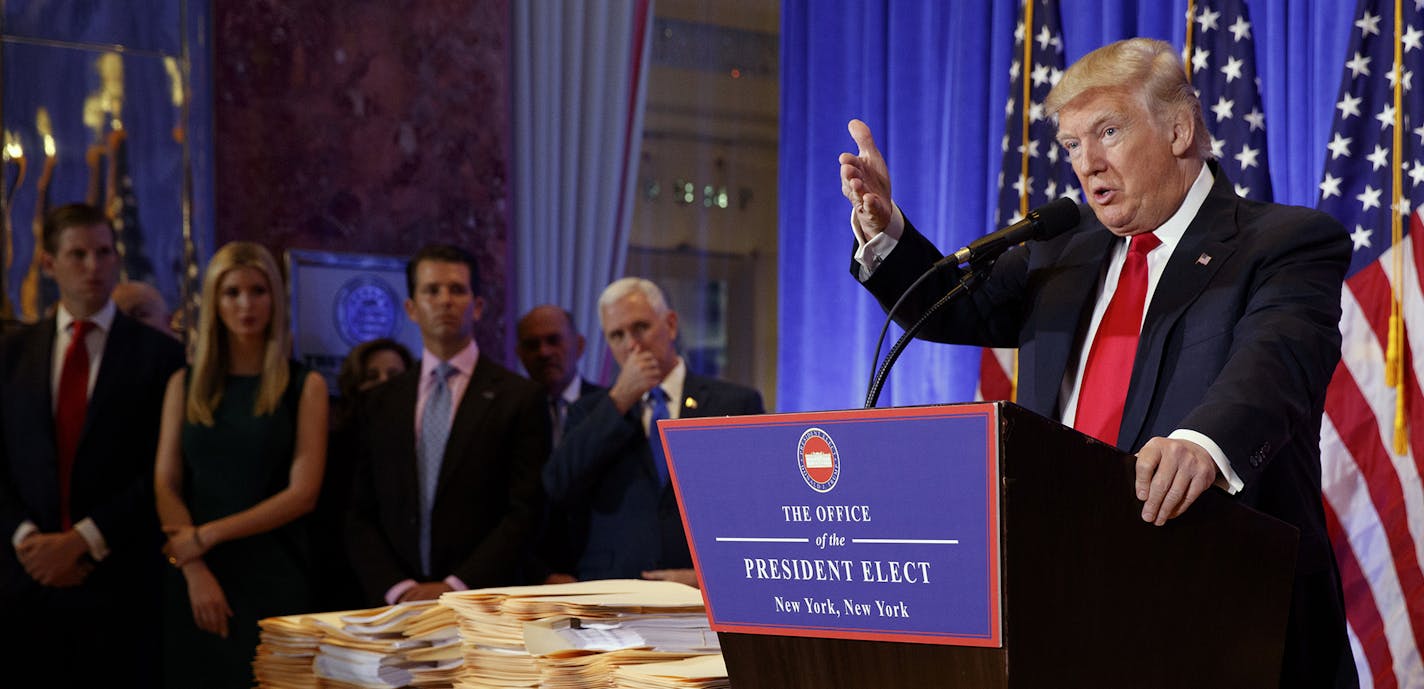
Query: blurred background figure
[142, 302]
[549, 347]
[367, 365]
[78, 426]
[240, 456]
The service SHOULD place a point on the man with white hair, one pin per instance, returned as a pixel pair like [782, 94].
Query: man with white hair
[605, 472]
[1184, 323]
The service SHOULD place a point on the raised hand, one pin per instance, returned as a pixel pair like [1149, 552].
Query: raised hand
[865, 182]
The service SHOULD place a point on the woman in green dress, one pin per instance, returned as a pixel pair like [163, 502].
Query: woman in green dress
[240, 456]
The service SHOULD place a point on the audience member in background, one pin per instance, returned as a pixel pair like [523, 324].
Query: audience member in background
[367, 365]
[447, 485]
[549, 346]
[607, 468]
[240, 458]
[142, 302]
[78, 427]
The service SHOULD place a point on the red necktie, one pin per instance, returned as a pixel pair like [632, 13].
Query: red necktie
[69, 411]
[1109, 367]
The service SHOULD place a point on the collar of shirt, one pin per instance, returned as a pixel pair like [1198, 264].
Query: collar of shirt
[464, 363]
[672, 384]
[103, 321]
[571, 392]
[1171, 233]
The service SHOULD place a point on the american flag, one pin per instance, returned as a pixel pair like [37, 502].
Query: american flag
[1032, 174]
[1221, 57]
[1372, 439]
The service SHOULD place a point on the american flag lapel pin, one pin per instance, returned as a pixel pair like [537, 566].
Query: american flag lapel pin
[690, 403]
[1203, 260]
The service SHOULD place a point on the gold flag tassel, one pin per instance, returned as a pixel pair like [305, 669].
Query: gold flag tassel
[1394, 352]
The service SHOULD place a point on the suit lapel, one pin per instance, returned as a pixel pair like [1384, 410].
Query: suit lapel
[695, 398]
[1067, 298]
[1184, 278]
[33, 381]
[118, 346]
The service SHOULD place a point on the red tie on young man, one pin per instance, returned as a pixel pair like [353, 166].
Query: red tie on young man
[72, 401]
[1109, 368]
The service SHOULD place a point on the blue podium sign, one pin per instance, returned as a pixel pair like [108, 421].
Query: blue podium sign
[879, 524]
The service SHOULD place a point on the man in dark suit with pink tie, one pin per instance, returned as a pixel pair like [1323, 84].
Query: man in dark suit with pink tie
[1184, 323]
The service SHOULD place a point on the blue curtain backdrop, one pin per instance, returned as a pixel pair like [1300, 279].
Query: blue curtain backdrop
[931, 79]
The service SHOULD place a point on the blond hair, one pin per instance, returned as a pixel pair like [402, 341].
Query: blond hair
[212, 358]
[1149, 67]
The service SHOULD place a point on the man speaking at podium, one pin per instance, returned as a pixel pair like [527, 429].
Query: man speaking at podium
[1184, 323]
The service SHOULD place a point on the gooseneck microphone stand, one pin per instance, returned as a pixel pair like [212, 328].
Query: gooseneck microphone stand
[971, 277]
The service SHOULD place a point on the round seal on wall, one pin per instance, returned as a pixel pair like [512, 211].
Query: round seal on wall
[366, 308]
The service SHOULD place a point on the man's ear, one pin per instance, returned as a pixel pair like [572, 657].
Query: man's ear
[410, 311]
[47, 264]
[1184, 132]
[478, 306]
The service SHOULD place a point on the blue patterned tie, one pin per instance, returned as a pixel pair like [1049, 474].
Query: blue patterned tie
[434, 431]
[658, 402]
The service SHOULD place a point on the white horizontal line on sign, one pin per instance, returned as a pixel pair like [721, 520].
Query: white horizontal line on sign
[915, 541]
[739, 539]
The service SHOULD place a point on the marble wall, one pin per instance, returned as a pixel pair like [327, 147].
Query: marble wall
[368, 126]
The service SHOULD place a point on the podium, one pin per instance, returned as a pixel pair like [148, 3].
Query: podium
[1020, 556]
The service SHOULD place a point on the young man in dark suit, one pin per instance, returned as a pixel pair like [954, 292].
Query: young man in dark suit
[606, 471]
[78, 430]
[447, 485]
[1183, 322]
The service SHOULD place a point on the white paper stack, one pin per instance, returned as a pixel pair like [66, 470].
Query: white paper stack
[286, 652]
[409, 644]
[618, 622]
[699, 672]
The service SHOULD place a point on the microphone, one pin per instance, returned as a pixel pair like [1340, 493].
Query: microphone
[1045, 222]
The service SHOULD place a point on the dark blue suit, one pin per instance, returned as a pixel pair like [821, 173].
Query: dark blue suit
[1239, 342]
[602, 473]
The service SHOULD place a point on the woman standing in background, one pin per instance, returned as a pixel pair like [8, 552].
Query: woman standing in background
[240, 457]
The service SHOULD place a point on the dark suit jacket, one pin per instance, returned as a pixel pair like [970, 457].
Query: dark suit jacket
[487, 502]
[1239, 342]
[604, 470]
[111, 483]
[112, 480]
[565, 533]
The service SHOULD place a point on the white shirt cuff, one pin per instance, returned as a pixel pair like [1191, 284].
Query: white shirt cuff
[871, 253]
[98, 547]
[394, 593]
[1234, 484]
[22, 532]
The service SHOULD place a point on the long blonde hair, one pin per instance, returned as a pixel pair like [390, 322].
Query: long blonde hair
[212, 358]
